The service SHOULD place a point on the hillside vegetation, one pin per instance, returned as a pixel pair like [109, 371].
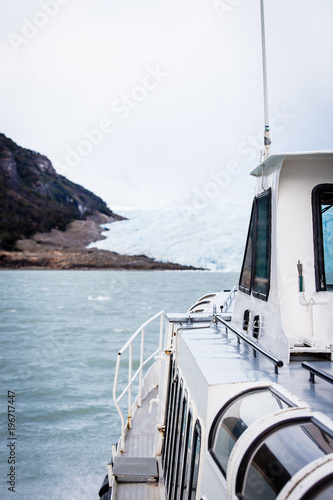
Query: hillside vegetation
[34, 198]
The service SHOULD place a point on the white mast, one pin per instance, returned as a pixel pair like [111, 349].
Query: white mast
[266, 151]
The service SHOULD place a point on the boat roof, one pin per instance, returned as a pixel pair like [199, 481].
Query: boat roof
[274, 161]
[222, 360]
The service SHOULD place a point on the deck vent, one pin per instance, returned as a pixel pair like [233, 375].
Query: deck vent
[256, 326]
[135, 469]
[246, 319]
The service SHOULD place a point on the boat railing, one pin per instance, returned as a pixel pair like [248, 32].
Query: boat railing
[139, 372]
[257, 348]
[314, 370]
[228, 301]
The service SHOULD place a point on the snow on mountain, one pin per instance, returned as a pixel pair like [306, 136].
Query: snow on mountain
[212, 237]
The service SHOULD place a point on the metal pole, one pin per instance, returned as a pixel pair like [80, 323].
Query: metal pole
[160, 346]
[267, 136]
[130, 355]
[122, 441]
[141, 366]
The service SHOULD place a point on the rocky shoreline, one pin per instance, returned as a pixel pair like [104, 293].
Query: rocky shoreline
[61, 250]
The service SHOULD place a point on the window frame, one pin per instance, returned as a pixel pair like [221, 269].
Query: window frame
[254, 446]
[175, 383]
[195, 451]
[187, 456]
[249, 237]
[173, 435]
[214, 427]
[318, 243]
[181, 438]
[252, 237]
[167, 408]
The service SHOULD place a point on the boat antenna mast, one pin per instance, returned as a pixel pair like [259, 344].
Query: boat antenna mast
[266, 151]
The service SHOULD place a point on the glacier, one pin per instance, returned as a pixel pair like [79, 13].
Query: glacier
[212, 237]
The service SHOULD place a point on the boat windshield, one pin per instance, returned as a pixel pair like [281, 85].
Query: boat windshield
[238, 416]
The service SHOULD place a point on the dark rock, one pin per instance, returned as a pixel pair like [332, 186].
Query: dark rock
[34, 198]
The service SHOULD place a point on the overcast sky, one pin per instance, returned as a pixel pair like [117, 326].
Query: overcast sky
[155, 102]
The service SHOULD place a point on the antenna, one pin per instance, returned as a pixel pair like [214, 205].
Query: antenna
[266, 151]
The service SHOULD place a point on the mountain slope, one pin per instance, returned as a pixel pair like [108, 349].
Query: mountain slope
[34, 198]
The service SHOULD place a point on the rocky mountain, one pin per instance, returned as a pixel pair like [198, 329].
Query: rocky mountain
[34, 198]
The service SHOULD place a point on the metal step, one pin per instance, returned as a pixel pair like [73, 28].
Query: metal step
[135, 469]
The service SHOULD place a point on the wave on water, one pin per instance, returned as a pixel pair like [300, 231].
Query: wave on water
[100, 298]
[211, 238]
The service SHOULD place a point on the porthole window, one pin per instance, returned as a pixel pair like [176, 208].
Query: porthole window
[277, 456]
[322, 207]
[237, 416]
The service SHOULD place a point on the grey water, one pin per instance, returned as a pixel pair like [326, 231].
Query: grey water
[59, 335]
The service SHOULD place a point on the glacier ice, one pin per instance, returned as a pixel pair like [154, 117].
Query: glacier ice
[212, 237]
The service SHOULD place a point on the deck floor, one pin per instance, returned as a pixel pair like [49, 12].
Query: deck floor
[139, 442]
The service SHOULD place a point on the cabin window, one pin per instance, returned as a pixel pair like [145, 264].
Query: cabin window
[195, 462]
[322, 207]
[255, 274]
[180, 450]
[170, 422]
[173, 437]
[236, 417]
[275, 458]
[187, 461]
[246, 273]
[168, 407]
[262, 247]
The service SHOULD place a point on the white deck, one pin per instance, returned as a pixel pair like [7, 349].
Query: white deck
[140, 443]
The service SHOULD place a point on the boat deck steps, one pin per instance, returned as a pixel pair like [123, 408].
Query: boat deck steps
[135, 469]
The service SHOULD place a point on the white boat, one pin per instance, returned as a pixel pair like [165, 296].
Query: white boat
[237, 400]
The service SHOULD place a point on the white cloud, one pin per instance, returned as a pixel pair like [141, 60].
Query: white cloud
[64, 80]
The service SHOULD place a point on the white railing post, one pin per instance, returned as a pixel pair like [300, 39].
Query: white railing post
[130, 357]
[115, 400]
[160, 343]
[141, 366]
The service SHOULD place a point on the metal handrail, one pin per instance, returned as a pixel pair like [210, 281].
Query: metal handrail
[131, 378]
[230, 298]
[314, 370]
[278, 363]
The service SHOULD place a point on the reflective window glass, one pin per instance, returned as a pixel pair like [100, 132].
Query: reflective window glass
[246, 273]
[238, 416]
[327, 226]
[322, 206]
[323, 491]
[263, 246]
[187, 450]
[195, 463]
[255, 273]
[279, 456]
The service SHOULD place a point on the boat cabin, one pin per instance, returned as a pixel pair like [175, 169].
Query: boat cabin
[284, 295]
